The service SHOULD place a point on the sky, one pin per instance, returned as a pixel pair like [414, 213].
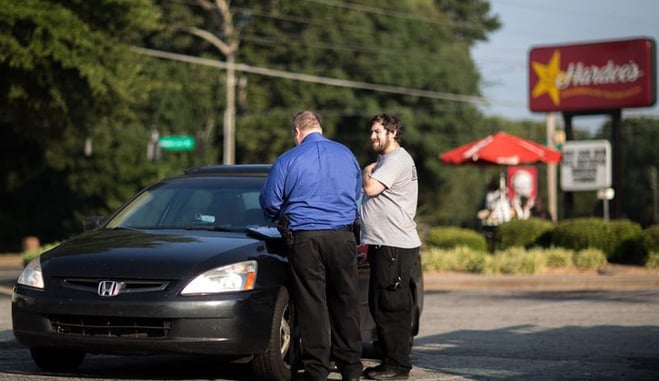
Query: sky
[503, 60]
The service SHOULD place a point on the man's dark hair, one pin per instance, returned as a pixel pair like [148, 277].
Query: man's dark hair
[390, 123]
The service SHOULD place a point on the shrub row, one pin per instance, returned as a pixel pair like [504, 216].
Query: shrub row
[515, 260]
[621, 241]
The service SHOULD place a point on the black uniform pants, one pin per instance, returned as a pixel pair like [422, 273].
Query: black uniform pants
[326, 297]
[391, 302]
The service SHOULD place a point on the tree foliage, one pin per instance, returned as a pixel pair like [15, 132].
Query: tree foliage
[640, 169]
[79, 104]
[65, 71]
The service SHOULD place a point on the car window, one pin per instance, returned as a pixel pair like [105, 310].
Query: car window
[195, 203]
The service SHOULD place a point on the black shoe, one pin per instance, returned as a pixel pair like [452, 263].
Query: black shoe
[382, 372]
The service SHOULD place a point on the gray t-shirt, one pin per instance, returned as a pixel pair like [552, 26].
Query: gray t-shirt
[388, 218]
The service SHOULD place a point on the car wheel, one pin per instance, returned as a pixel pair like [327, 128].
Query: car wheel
[272, 365]
[57, 359]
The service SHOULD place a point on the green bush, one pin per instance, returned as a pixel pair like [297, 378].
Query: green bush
[653, 260]
[560, 258]
[460, 258]
[448, 237]
[589, 259]
[582, 233]
[651, 239]
[524, 233]
[517, 260]
[620, 240]
[472, 261]
[434, 259]
[628, 243]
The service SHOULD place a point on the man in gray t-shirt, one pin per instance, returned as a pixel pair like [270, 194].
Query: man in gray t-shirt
[388, 210]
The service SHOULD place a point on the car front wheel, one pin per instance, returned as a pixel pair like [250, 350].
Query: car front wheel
[272, 365]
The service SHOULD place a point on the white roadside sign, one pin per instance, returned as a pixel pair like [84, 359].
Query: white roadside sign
[586, 165]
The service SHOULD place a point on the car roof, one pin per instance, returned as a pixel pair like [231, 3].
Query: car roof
[230, 170]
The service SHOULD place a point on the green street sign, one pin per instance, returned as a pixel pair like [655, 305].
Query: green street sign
[176, 143]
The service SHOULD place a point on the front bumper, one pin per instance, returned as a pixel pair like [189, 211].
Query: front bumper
[226, 324]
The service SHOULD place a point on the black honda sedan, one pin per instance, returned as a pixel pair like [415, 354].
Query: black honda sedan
[189, 265]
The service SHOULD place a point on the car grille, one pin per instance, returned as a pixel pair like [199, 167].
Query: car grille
[127, 286]
[110, 327]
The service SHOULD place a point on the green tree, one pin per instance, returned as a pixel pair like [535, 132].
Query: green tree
[69, 76]
[640, 164]
[65, 71]
[409, 44]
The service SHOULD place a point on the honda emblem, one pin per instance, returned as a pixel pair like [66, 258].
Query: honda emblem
[108, 288]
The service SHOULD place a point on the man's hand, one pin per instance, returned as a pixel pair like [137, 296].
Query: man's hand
[371, 186]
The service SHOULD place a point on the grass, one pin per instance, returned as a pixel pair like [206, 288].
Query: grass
[514, 260]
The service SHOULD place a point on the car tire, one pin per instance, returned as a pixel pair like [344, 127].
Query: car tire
[273, 365]
[57, 359]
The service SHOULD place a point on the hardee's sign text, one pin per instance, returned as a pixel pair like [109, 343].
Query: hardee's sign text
[594, 76]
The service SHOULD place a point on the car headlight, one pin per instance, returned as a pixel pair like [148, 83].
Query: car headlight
[31, 275]
[236, 277]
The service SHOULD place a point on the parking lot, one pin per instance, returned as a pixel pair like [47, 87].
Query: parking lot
[472, 329]
[466, 335]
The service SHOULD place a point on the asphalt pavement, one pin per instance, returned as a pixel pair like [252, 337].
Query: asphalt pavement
[531, 336]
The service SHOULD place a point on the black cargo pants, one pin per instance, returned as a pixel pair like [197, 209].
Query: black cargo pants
[391, 301]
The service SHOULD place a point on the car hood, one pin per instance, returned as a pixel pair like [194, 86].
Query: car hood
[148, 254]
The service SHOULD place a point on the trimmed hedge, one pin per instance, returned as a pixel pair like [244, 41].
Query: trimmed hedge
[515, 260]
[582, 233]
[620, 240]
[525, 233]
[628, 242]
[449, 237]
[651, 239]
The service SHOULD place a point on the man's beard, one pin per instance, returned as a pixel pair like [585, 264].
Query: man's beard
[380, 147]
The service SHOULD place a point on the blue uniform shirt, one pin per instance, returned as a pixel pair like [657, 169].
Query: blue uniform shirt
[317, 184]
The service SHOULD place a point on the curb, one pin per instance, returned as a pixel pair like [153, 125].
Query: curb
[11, 260]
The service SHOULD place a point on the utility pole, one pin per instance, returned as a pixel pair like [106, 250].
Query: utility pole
[655, 194]
[551, 169]
[228, 45]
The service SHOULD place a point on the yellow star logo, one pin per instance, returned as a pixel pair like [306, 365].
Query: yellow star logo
[548, 77]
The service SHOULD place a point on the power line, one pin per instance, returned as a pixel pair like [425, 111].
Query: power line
[325, 80]
[374, 10]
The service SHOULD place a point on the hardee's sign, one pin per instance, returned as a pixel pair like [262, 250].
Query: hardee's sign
[594, 76]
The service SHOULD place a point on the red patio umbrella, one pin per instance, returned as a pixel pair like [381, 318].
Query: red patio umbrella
[503, 149]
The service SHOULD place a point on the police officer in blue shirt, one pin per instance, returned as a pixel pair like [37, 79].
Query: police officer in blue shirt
[316, 187]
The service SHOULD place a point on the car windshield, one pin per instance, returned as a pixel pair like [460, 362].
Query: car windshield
[208, 203]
